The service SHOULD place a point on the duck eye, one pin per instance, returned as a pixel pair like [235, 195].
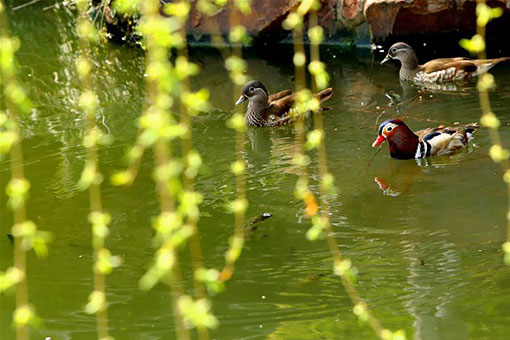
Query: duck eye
[251, 89]
[389, 129]
[394, 50]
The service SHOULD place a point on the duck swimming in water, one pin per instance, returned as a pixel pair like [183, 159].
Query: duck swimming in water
[437, 70]
[271, 110]
[406, 144]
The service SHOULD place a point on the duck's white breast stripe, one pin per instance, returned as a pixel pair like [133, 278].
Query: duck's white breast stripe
[423, 150]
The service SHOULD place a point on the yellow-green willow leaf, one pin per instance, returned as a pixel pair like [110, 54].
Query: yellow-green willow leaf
[88, 100]
[292, 21]
[236, 122]
[486, 82]
[197, 313]
[167, 222]
[10, 277]
[506, 178]
[179, 9]
[506, 250]
[194, 162]
[106, 262]
[244, 6]
[490, 120]
[474, 45]
[197, 101]
[301, 188]
[96, 302]
[207, 7]
[316, 34]
[234, 251]
[328, 183]
[498, 153]
[83, 66]
[126, 6]
[7, 139]
[313, 139]
[18, 96]
[299, 59]
[184, 68]
[341, 267]
[360, 310]
[238, 206]
[211, 279]
[317, 229]
[484, 14]
[238, 34]
[24, 315]
[170, 169]
[17, 190]
[301, 160]
[165, 259]
[238, 167]
[235, 64]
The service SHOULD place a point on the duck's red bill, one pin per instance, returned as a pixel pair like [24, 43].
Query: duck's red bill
[378, 141]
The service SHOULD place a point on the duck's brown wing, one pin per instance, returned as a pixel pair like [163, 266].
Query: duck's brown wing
[279, 95]
[460, 64]
[463, 130]
[445, 140]
[450, 60]
[282, 106]
[422, 133]
[324, 94]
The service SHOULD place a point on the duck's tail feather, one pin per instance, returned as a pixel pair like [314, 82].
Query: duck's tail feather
[485, 65]
[324, 94]
[470, 129]
[498, 60]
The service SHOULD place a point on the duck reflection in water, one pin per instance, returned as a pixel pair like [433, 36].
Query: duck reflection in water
[402, 175]
[400, 178]
[274, 148]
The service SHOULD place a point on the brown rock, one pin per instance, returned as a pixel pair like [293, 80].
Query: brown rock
[350, 12]
[265, 16]
[426, 16]
[327, 15]
[380, 15]
[402, 17]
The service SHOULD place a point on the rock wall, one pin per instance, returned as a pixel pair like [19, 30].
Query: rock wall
[404, 17]
[383, 17]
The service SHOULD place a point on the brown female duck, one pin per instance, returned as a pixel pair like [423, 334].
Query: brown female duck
[406, 144]
[437, 70]
[270, 110]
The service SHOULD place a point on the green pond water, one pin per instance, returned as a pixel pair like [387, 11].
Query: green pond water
[426, 238]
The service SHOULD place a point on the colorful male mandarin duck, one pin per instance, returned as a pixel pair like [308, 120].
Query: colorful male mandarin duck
[437, 70]
[270, 110]
[406, 144]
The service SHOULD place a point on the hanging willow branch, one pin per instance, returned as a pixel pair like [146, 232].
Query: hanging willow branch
[320, 214]
[498, 152]
[14, 103]
[91, 177]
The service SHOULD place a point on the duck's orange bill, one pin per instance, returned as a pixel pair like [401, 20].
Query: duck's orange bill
[378, 141]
